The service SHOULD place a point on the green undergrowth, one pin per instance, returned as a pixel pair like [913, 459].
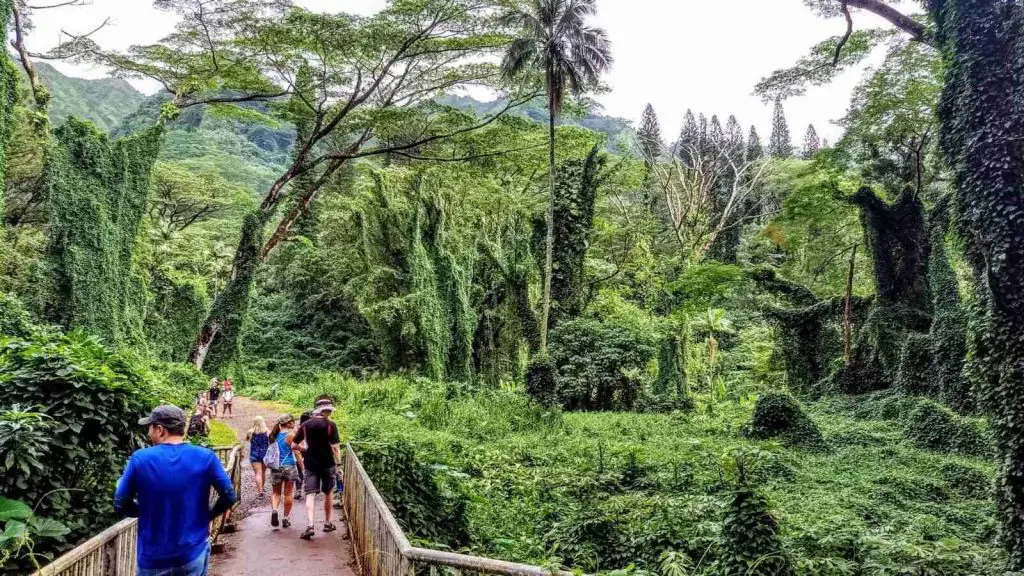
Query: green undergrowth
[221, 434]
[602, 491]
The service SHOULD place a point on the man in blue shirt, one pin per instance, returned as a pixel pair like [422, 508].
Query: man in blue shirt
[167, 487]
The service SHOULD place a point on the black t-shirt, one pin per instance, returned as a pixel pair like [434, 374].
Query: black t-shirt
[214, 393]
[320, 434]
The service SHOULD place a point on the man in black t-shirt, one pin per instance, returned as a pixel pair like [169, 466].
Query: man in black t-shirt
[321, 458]
[214, 395]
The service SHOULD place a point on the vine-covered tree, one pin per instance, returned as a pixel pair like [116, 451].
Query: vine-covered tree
[375, 100]
[781, 143]
[982, 48]
[555, 41]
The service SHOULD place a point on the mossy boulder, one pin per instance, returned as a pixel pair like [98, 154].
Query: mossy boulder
[967, 480]
[932, 426]
[779, 415]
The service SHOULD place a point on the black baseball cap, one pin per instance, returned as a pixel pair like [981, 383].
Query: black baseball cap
[167, 416]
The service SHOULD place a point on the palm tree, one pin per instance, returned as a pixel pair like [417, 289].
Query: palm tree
[554, 40]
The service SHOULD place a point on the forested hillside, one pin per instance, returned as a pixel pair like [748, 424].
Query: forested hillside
[104, 102]
[692, 346]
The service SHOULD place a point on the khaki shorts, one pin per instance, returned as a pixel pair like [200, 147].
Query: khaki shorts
[284, 474]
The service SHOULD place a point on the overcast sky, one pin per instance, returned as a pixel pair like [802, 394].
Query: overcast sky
[706, 55]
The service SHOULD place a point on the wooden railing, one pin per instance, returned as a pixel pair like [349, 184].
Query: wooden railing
[382, 548]
[233, 466]
[112, 552]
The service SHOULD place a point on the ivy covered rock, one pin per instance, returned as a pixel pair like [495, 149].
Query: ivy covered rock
[540, 380]
[933, 426]
[779, 415]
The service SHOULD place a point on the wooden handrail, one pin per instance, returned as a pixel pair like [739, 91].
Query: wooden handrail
[91, 546]
[377, 536]
[113, 551]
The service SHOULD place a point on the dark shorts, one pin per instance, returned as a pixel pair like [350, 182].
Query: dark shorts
[283, 474]
[317, 481]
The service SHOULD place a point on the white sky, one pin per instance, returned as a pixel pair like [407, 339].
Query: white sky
[676, 54]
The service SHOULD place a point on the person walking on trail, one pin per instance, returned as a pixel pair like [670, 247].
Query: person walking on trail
[214, 395]
[258, 437]
[227, 397]
[284, 472]
[167, 487]
[323, 453]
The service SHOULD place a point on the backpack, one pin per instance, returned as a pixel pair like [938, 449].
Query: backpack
[272, 459]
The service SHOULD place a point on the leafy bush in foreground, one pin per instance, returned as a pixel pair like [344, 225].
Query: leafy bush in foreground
[425, 506]
[75, 424]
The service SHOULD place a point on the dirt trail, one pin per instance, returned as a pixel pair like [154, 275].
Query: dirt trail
[258, 549]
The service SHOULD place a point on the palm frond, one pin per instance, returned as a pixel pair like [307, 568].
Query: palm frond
[574, 15]
[521, 54]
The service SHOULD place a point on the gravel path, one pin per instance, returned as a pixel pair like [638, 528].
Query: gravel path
[257, 549]
[245, 410]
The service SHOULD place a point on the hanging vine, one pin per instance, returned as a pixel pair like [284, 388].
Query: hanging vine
[416, 293]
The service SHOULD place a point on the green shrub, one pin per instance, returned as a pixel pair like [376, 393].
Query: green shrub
[932, 426]
[89, 400]
[779, 415]
[916, 374]
[15, 320]
[427, 503]
[598, 366]
[176, 383]
[750, 544]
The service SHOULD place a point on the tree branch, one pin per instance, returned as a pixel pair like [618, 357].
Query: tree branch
[846, 36]
[905, 23]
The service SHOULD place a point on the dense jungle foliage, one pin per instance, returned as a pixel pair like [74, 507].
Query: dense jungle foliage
[555, 337]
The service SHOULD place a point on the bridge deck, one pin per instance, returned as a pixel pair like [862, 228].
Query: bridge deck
[257, 549]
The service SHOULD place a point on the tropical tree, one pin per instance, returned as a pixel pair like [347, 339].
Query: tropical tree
[372, 95]
[555, 41]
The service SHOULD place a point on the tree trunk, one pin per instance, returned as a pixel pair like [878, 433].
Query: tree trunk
[203, 342]
[549, 243]
[218, 339]
[848, 311]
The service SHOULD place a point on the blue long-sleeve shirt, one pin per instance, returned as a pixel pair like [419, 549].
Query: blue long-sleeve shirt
[167, 487]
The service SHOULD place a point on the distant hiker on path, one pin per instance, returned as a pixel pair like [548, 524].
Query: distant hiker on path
[228, 397]
[259, 440]
[281, 459]
[214, 395]
[323, 453]
[167, 487]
